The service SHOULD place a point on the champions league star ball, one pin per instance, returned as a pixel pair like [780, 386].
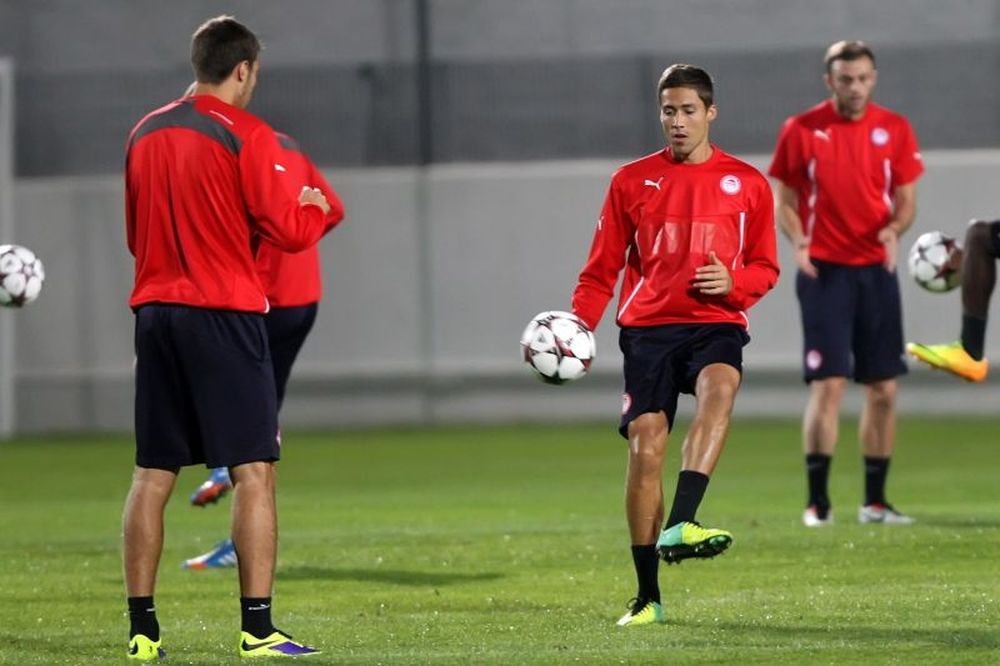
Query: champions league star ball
[21, 276]
[558, 346]
[933, 262]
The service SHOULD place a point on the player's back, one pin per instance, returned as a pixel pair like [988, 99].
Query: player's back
[186, 212]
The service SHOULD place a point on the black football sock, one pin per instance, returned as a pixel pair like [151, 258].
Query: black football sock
[256, 614]
[691, 487]
[876, 470]
[973, 335]
[142, 618]
[646, 567]
[817, 474]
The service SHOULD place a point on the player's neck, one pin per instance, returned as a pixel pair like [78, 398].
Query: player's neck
[847, 113]
[698, 155]
[221, 92]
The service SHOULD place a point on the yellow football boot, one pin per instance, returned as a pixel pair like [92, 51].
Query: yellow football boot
[642, 612]
[951, 357]
[141, 648]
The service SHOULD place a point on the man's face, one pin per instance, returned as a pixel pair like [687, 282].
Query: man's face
[685, 119]
[852, 83]
[247, 78]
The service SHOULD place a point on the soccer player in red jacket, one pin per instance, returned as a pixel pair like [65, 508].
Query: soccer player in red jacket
[693, 227]
[293, 283]
[202, 182]
[293, 280]
[847, 172]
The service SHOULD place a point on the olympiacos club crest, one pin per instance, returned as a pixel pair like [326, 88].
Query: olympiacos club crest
[880, 136]
[730, 184]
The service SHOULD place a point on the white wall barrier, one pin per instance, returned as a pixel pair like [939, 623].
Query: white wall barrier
[506, 241]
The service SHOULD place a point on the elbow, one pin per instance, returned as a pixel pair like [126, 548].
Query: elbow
[334, 217]
[299, 244]
[336, 213]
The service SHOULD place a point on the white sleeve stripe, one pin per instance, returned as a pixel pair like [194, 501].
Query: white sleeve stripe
[628, 301]
[739, 250]
[887, 171]
[811, 201]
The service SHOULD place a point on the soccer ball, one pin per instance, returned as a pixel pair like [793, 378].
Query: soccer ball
[932, 262]
[21, 276]
[558, 346]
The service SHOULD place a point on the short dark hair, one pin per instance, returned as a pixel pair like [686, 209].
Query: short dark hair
[847, 50]
[687, 76]
[219, 45]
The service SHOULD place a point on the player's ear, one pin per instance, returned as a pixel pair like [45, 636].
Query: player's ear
[242, 71]
[712, 112]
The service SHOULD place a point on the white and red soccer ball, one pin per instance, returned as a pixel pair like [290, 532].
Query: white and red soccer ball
[558, 346]
[933, 262]
[21, 276]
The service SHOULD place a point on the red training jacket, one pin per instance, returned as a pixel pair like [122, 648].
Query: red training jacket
[660, 221]
[844, 172]
[201, 180]
[295, 279]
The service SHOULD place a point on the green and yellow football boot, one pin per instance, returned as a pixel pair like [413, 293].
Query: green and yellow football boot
[642, 611]
[688, 539]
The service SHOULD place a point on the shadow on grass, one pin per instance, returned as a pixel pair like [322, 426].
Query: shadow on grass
[957, 522]
[98, 649]
[858, 636]
[394, 576]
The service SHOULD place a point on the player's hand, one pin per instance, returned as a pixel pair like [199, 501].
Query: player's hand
[803, 261]
[313, 195]
[890, 241]
[713, 279]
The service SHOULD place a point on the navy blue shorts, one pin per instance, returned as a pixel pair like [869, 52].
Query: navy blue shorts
[287, 329]
[204, 388]
[852, 323]
[661, 362]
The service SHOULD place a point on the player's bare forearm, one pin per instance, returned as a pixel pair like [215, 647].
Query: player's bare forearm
[791, 225]
[904, 212]
[787, 213]
[904, 208]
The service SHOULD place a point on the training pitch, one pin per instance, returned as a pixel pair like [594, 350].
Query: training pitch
[508, 545]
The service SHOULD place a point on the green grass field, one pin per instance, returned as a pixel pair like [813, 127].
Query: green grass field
[508, 546]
